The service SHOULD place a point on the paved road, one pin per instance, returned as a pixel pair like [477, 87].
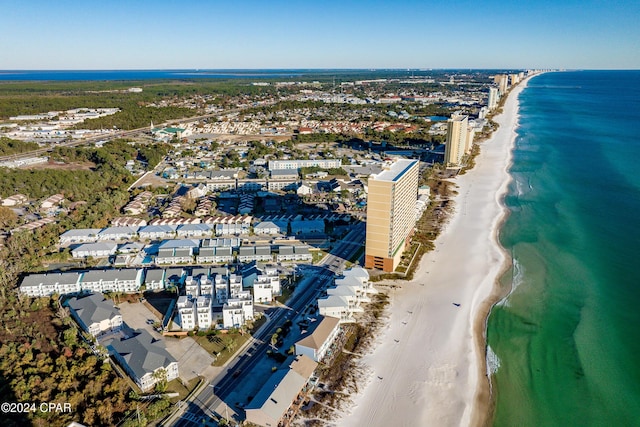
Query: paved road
[215, 394]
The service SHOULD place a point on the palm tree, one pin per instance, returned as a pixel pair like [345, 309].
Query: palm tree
[160, 375]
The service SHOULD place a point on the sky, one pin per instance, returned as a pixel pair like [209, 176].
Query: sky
[248, 34]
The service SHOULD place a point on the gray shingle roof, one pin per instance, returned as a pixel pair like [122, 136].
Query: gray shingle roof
[93, 308]
[207, 251]
[81, 232]
[154, 275]
[109, 275]
[118, 230]
[263, 250]
[156, 229]
[246, 250]
[51, 279]
[142, 353]
[286, 250]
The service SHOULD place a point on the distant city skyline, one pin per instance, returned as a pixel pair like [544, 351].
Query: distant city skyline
[495, 34]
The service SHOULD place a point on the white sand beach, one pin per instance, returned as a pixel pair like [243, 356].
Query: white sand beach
[427, 367]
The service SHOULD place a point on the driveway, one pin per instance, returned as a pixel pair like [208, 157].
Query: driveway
[192, 359]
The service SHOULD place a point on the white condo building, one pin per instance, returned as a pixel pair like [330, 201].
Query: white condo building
[344, 300]
[308, 163]
[457, 137]
[494, 97]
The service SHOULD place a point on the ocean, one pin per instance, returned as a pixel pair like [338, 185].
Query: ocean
[100, 75]
[565, 343]
[258, 74]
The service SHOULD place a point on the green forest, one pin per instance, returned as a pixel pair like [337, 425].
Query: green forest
[17, 98]
[106, 175]
[43, 358]
[11, 146]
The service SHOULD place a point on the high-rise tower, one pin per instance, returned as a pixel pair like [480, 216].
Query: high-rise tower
[456, 139]
[391, 213]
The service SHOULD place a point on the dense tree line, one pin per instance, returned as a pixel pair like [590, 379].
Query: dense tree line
[133, 116]
[18, 98]
[11, 146]
[258, 150]
[403, 138]
[42, 357]
[153, 154]
[103, 187]
[108, 174]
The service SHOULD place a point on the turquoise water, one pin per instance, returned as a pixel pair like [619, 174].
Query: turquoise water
[568, 336]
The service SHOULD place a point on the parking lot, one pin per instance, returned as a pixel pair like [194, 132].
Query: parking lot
[192, 359]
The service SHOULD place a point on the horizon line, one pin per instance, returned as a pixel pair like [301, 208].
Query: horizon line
[278, 69]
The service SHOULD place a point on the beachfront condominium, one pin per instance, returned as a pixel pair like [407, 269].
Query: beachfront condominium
[458, 140]
[468, 143]
[502, 80]
[493, 98]
[391, 213]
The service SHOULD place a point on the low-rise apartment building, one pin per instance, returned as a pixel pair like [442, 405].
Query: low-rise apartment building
[316, 342]
[43, 285]
[145, 359]
[127, 280]
[95, 314]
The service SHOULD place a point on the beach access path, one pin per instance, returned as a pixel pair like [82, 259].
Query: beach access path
[427, 366]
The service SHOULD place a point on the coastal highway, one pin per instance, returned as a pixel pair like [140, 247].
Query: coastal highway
[317, 279]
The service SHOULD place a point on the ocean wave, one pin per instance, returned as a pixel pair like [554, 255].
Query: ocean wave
[519, 188]
[517, 278]
[493, 361]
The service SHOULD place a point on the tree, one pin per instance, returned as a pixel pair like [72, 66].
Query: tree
[8, 217]
[160, 375]
[229, 344]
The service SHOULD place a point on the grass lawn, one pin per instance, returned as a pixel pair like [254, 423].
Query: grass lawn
[317, 256]
[176, 386]
[286, 293]
[223, 346]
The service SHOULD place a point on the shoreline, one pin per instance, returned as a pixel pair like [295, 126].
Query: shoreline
[436, 375]
[484, 403]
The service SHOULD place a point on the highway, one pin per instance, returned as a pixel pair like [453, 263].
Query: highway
[311, 286]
